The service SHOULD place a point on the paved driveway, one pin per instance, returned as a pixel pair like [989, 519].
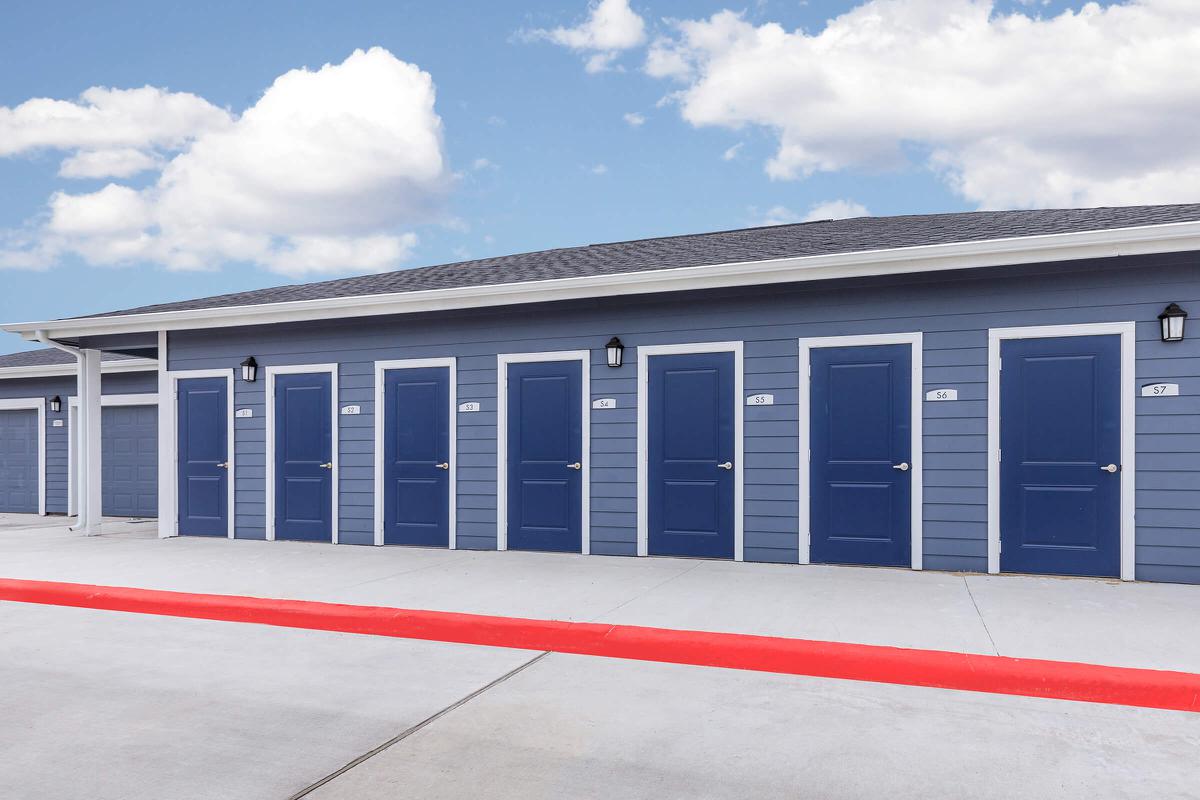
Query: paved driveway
[109, 705]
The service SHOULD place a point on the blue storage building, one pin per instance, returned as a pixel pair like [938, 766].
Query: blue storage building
[1009, 391]
[38, 458]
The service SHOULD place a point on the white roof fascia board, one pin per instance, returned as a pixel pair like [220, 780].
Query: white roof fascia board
[1141, 240]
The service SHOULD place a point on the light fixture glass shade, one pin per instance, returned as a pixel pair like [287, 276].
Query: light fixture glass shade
[56, 404]
[1171, 320]
[250, 370]
[616, 352]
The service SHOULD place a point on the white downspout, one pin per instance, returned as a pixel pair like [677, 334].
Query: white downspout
[81, 440]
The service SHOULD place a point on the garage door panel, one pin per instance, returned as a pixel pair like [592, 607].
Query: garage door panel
[129, 461]
[18, 461]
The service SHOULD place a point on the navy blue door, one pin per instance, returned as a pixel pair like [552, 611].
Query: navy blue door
[860, 483]
[129, 461]
[690, 430]
[203, 445]
[416, 456]
[304, 457]
[545, 454]
[19, 461]
[1060, 455]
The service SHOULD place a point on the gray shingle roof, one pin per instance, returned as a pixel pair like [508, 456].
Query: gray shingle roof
[749, 244]
[49, 356]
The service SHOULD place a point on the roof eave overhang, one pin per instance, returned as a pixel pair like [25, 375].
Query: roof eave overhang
[1141, 240]
[53, 370]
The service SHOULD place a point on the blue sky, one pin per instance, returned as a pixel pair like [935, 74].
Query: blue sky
[539, 152]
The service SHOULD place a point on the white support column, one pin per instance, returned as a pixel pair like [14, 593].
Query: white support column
[78, 434]
[89, 413]
[167, 480]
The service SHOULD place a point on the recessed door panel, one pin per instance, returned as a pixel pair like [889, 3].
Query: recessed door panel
[690, 436]
[1060, 435]
[860, 436]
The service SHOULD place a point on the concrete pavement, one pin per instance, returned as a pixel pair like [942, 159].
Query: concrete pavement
[111, 705]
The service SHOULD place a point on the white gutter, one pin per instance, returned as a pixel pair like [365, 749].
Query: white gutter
[81, 523]
[53, 370]
[1139, 240]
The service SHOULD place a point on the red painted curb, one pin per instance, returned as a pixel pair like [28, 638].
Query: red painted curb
[1062, 680]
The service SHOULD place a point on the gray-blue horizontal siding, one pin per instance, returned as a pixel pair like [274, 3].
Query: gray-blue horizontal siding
[954, 312]
[57, 438]
[55, 468]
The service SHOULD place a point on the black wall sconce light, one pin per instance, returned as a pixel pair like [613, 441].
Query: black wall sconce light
[616, 352]
[1171, 320]
[56, 404]
[250, 370]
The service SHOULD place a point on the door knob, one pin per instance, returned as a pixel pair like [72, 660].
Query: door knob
[902, 466]
[443, 465]
[224, 465]
[725, 465]
[1110, 468]
[576, 465]
[327, 465]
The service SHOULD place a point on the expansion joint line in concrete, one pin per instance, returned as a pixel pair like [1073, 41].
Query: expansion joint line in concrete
[432, 718]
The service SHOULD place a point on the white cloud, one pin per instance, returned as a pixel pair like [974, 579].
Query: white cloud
[634, 119]
[830, 209]
[611, 27]
[599, 169]
[835, 209]
[110, 132]
[483, 163]
[777, 215]
[122, 162]
[321, 175]
[1089, 107]
[732, 152]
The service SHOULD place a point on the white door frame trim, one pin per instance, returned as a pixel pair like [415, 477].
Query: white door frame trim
[269, 420]
[644, 354]
[382, 367]
[167, 500]
[585, 505]
[143, 399]
[1128, 387]
[37, 404]
[915, 341]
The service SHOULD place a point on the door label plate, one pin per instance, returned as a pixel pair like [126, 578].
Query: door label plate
[468, 407]
[940, 395]
[760, 400]
[244, 413]
[350, 411]
[1160, 390]
[604, 402]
